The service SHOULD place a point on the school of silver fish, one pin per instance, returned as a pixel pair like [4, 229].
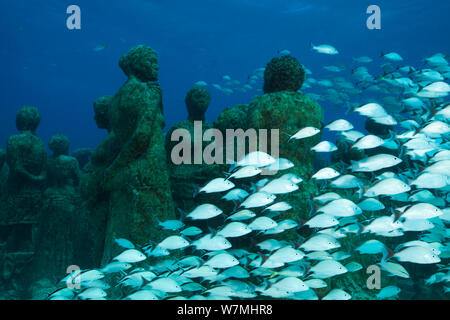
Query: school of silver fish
[397, 196]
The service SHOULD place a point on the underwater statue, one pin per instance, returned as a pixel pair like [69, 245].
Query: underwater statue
[128, 172]
[20, 208]
[3, 172]
[83, 155]
[283, 107]
[63, 235]
[232, 118]
[185, 178]
[27, 160]
[92, 184]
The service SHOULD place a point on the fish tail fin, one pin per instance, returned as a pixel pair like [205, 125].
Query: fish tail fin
[254, 187]
[402, 152]
[313, 207]
[353, 165]
[387, 254]
[349, 109]
[196, 190]
[212, 231]
[391, 135]
[397, 215]
[324, 185]
[287, 134]
[321, 125]
[361, 191]
[182, 214]
[236, 205]
[361, 228]
[233, 165]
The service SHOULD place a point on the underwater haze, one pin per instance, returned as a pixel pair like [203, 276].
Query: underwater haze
[61, 73]
[224, 150]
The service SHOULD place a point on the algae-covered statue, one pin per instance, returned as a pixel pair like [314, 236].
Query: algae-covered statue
[283, 107]
[59, 247]
[186, 177]
[92, 184]
[3, 173]
[26, 158]
[128, 172]
[83, 155]
[20, 208]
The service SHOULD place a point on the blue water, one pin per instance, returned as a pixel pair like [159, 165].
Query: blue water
[55, 69]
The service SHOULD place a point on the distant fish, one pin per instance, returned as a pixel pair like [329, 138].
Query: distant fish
[437, 89]
[242, 215]
[280, 164]
[236, 195]
[437, 59]
[234, 230]
[417, 254]
[324, 146]
[373, 110]
[325, 174]
[327, 269]
[322, 220]
[337, 294]
[392, 56]
[395, 269]
[388, 292]
[279, 206]
[191, 231]
[92, 294]
[257, 159]
[363, 59]
[124, 243]
[130, 256]
[201, 83]
[339, 125]
[99, 48]
[333, 68]
[262, 223]
[258, 199]
[389, 186]
[325, 49]
[204, 211]
[279, 186]
[375, 163]
[305, 133]
[171, 224]
[173, 243]
[368, 142]
[217, 185]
